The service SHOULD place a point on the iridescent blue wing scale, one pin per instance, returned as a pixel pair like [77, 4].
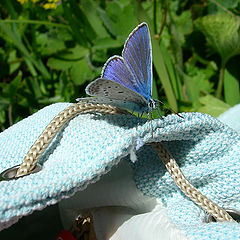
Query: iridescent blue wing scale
[136, 62]
[127, 81]
[137, 53]
[115, 69]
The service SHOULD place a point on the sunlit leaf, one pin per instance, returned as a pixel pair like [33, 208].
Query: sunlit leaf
[212, 105]
[114, 17]
[49, 44]
[228, 3]
[109, 24]
[17, 41]
[90, 7]
[200, 77]
[67, 59]
[105, 43]
[183, 24]
[231, 88]
[13, 61]
[81, 72]
[59, 64]
[222, 33]
[77, 32]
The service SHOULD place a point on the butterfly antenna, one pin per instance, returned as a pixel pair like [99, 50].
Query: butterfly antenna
[168, 107]
[137, 125]
[159, 113]
[150, 117]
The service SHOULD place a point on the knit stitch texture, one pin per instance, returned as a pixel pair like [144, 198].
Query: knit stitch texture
[206, 150]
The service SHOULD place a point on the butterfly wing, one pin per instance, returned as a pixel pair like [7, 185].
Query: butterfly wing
[116, 70]
[116, 94]
[127, 81]
[134, 70]
[117, 103]
[137, 53]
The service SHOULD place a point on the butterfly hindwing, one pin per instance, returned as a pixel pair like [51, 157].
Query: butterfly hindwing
[117, 103]
[116, 92]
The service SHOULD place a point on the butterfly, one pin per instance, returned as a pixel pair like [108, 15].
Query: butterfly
[126, 81]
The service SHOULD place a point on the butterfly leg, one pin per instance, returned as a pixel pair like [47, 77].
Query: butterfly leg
[159, 113]
[151, 116]
[138, 121]
[165, 105]
[150, 120]
[140, 115]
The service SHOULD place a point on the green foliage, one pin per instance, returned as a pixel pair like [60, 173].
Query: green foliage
[228, 4]
[212, 105]
[231, 82]
[222, 34]
[50, 51]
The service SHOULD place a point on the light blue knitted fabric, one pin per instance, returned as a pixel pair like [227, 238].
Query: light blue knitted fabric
[90, 145]
[232, 117]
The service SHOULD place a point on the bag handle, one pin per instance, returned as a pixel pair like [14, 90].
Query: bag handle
[187, 188]
[29, 163]
[46, 137]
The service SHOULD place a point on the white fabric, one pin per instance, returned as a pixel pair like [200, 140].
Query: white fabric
[120, 210]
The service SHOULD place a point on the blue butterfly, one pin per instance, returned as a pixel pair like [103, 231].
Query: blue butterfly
[126, 82]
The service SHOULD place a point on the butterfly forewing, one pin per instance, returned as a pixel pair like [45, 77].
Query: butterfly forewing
[116, 70]
[137, 54]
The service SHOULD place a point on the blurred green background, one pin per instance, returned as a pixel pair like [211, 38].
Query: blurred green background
[50, 50]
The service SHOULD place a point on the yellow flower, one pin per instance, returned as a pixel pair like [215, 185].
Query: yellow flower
[46, 6]
[53, 1]
[49, 6]
[53, 6]
[22, 1]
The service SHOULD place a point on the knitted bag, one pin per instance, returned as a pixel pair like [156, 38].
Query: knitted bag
[93, 145]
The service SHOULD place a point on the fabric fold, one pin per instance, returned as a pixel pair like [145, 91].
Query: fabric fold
[90, 145]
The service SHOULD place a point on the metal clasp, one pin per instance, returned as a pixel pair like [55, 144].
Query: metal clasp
[232, 212]
[10, 173]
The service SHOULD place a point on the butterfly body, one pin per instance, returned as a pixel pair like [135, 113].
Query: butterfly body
[126, 81]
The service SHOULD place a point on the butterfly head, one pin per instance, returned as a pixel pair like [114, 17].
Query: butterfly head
[151, 105]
